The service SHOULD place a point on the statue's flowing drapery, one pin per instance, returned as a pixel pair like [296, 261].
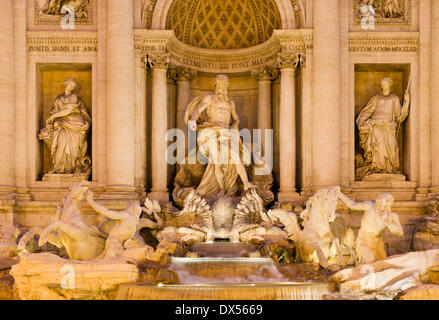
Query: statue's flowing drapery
[379, 138]
[67, 137]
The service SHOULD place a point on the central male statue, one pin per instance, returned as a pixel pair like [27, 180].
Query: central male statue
[214, 118]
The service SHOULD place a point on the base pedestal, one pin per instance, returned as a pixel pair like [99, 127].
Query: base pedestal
[288, 196]
[161, 196]
[56, 177]
[384, 177]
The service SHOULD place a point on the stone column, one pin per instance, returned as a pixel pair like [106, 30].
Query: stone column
[7, 120]
[287, 127]
[120, 121]
[435, 95]
[264, 75]
[326, 97]
[159, 127]
[183, 77]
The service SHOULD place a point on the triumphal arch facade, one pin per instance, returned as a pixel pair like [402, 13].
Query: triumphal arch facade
[348, 87]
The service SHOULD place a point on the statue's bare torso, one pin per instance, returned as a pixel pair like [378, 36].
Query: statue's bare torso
[219, 111]
[384, 109]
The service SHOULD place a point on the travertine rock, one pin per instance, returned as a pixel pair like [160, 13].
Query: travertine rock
[422, 292]
[8, 235]
[45, 276]
[389, 276]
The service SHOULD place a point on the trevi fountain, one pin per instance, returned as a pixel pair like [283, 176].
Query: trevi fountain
[219, 149]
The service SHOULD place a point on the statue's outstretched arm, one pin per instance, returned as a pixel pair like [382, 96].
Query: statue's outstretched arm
[351, 203]
[115, 215]
[394, 224]
[146, 223]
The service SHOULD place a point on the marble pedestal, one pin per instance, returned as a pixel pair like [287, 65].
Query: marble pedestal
[52, 177]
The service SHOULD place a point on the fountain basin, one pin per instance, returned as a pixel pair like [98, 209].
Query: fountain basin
[223, 249]
[226, 291]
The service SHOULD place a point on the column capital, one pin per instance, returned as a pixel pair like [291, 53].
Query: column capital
[179, 73]
[264, 73]
[157, 60]
[290, 60]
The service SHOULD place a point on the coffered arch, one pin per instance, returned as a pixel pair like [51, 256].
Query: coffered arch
[155, 14]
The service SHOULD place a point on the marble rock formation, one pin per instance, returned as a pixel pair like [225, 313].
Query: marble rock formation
[45, 276]
[389, 276]
[8, 237]
[426, 234]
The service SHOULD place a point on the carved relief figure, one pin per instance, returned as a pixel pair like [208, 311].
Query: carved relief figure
[393, 9]
[385, 11]
[379, 126]
[66, 133]
[53, 7]
[377, 217]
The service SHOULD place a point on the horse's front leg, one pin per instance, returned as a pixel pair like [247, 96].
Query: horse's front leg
[339, 252]
[323, 261]
[27, 236]
[48, 234]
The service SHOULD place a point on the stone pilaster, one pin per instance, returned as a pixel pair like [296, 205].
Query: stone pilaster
[435, 95]
[21, 183]
[326, 98]
[7, 120]
[287, 126]
[159, 122]
[120, 121]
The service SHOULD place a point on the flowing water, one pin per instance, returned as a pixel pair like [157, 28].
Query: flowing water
[226, 278]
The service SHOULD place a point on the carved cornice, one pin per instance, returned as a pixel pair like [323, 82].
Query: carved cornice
[40, 42]
[148, 41]
[222, 61]
[182, 74]
[383, 42]
[294, 41]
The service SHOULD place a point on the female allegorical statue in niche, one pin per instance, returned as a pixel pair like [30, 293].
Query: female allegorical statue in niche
[379, 123]
[66, 132]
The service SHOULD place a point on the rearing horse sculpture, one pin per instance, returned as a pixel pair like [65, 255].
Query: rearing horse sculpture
[315, 243]
[82, 242]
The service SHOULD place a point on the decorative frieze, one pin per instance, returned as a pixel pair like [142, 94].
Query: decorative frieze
[383, 42]
[62, 42]
[222, 61]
